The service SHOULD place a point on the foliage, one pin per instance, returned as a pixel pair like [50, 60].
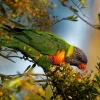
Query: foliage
[72, 85]
[64, 82]
[36, 14]
[29, 13]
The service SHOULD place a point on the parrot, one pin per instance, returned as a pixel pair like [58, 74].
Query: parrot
[45, 48]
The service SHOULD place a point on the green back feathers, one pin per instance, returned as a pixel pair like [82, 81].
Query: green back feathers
[44, 42]
[47, 43]
[36, 45]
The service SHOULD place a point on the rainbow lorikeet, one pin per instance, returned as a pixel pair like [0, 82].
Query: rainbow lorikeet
[44, 48]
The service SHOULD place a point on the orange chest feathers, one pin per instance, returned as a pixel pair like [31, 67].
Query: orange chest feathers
[58, 57]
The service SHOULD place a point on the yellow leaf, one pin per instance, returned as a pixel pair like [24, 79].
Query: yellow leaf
[15, 82]
[98, 97]
[83, 1]
[1, 93]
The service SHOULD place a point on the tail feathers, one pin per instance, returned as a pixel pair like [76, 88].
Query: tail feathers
[8, 28]
[15, 31]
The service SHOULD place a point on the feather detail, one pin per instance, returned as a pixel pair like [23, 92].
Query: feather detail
[70, 51]
[58, 57]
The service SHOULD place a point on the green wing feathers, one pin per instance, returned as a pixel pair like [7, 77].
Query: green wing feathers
[34, 44]
[44, 48]
[8, 41]
[28, 51]
[44, 42]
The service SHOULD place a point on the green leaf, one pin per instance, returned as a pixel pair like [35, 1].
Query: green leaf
[27, 68]
[44, 86]
[98, 79]
[74, 10]
[99, 17]
[97, 26]
[72, 18]
[97, 87]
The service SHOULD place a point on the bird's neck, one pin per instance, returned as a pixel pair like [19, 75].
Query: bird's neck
[70, 51]
[60, 56]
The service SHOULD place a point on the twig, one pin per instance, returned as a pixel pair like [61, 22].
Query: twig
[5, 76]
[44, 80]
[77, 7]
[22, 58]
[11, 76]
[70, 7]
[25, 74]
[6, 57]
[58, 21]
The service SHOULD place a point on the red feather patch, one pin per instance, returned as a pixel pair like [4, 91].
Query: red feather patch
[82, 66]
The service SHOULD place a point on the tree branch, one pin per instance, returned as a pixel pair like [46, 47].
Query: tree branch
[6, 57]
[70, 7]
[19, 75]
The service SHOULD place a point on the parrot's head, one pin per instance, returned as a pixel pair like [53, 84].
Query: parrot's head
[77, 58]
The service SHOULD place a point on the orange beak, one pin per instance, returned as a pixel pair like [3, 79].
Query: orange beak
[82, 66]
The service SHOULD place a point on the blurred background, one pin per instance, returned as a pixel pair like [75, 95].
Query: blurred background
[76, 33]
